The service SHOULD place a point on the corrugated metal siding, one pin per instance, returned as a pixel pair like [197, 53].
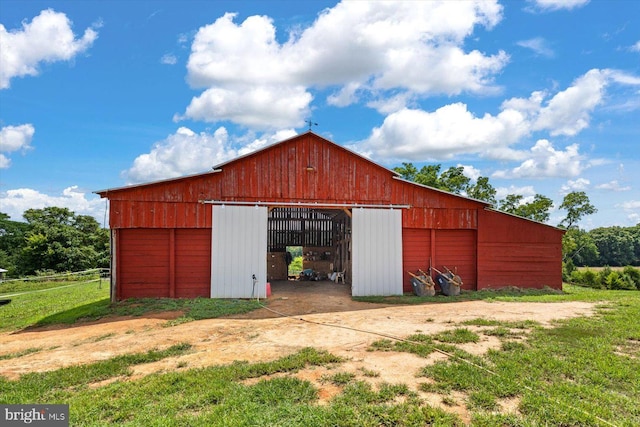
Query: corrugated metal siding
[456, 249]
[376, 252]
[143, 268]
[192, 262]
[416, 251]
[238, 251]
[517, 252]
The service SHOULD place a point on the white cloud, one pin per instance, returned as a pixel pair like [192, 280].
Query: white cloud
[636, 47]
[623, 78]
[545, 161]
[15, 202]
[418, 135]
[631, 204]
[559, 4]
[538, 45]
[613, 186]
[632, 210]
[579, 184]
[450, 130]
[359, 47]
[527, 192]
[169, 59]
[567, 113]
[261, 107]
[265, 140]
[182, 153]
[14, 138]
[470, 172]
[186, 152]
[47, 38]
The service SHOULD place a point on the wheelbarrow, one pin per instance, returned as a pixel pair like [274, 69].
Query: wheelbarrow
[449, 282]
[422, 284]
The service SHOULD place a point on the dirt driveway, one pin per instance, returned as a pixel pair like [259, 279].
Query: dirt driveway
[322, 315]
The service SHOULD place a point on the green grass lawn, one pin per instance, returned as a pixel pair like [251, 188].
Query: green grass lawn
[581, 372]
[48, 303]
[33, 302]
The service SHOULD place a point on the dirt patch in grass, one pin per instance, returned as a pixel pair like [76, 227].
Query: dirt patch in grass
[335, 323]
[259, 336]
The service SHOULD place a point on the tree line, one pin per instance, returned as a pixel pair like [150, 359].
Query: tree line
[52, 239]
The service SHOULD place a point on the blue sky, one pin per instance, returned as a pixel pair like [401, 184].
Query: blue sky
[540, 96]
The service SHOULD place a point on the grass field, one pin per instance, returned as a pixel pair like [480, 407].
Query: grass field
[580, 372]
[48, 303]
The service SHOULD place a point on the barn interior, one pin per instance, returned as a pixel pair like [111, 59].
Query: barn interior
[325, 238]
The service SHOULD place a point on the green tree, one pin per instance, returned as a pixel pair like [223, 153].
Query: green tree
[482, 190]
[407, 171]
[454, 180]
[12, 240]
[577, 206]
[537, 210]
[616, 245]
[59, 240]
[579, 248]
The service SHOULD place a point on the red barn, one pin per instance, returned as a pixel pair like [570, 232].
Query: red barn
[223, 233]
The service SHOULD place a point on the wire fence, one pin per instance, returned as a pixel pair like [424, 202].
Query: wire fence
[100, 273]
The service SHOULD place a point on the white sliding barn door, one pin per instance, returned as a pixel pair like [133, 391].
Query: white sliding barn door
[376, 252]
[239, 251]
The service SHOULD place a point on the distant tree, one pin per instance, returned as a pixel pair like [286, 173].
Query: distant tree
[454, 180]
[12, 240]
[577, 206]
[537, 210]
[407, 171]
[616, 245]
[427, 175]
[482, 190]
[59, 240]
[510, 203]
[579, 248]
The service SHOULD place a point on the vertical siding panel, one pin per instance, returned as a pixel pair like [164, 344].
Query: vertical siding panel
[172, 263]
[457, 249]
[376, 252]
[416, 253]
[144, 263]
[193, 262]
[238, 251]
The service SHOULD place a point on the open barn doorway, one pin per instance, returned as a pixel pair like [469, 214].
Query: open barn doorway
[321, 237]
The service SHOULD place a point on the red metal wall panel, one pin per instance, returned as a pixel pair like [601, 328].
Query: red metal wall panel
[149, 266]
[143, 264]
[416, 252]
[517, 252]
[193, 262]
[456, 249]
